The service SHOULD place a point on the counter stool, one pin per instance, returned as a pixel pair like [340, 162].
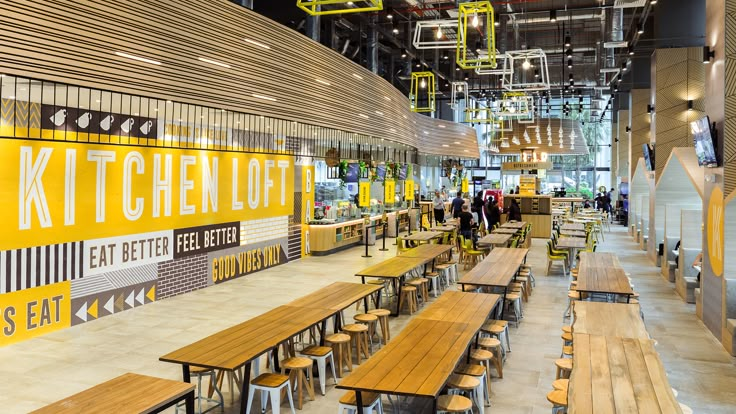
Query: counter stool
[358, 337]
[564, 368]
[572, 295]
[341, 349]
[498, 329]
[434, 281]
[383, 315]
[493, 345]
[561, 384]
[558, 398]
[320, 355]
[457, 384]
[566, 338]
[452, 276]
[483, 358]
[199, 373]
[514, 300]
[477, 371]
[422, 285]
[518, 287]
[454, 404]
[567, 329]
[444, 271]
[371, 401]
[300, 371]
[270, 384]
[370, 321]
[567, 351]
[379, 282]
[409, 297]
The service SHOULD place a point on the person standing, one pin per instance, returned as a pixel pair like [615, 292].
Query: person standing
[466, 224]
[514, 211]
[457, 205]
[438, 203]
[493, 215]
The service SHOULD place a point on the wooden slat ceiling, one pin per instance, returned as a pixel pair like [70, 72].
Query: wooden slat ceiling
[581, 148]
[75, 42]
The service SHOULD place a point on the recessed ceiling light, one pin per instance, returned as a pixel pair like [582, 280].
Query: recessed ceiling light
[214, 62]
[379, 113]
[387, 98]
[141, 59]
[363, 116]
[457, 142]
[259, 44]
[441, 126]
[267, 98]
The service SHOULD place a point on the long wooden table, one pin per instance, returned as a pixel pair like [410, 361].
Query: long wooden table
[495, 239]
[601, 273]
[427, 251]
[498, 269]
[423, 236]
[446, 228]
[128, 393]
[422, 357]
[618, 375]
[514, 224]
[572, 233]
[395, 269]
[608, 319]
[239, 345]
[573, 226]
[505, 230]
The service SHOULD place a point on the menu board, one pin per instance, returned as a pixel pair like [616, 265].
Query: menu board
[528, 184]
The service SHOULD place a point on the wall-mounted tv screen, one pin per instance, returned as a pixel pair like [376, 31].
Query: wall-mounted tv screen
[704, 147]
[648, 158]
[380, 172]
[353, 173]
[402, 171]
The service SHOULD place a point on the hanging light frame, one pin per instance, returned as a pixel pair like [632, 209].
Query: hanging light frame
[512, 66]
[425, 34]
[313, 7]
[458, 87]
[466, 56]
[417, 93]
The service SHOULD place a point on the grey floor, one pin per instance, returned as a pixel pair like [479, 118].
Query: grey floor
[43, 370]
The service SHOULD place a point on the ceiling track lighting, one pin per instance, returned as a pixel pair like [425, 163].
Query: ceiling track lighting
[631, 50]
[395, 29]
[553, 16]
[623, 66]
[568, 41]
[708, 54]
[390, 14]
[650, 108]
[640, 28]
[403, 53]
[568, 53]
[569, 63]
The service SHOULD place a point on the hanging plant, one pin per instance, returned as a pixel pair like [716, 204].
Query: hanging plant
[342, 172]
[363, 169]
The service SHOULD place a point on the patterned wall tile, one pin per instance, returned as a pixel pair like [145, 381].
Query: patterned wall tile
[39, 266]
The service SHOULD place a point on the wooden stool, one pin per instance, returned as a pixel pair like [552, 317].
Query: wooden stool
[493, 345]
[567, 329]
[454, 404]
[320, 355]
[558, 399]
[270, 384]
[498, 329]
[383, 315]
[444, 271]
[349, 402]
[370, 321]
[469, 385]
[567, 350]
[434, 280]
[199, 373]
[561, 384]
[422, 285]
[300, 370]
[566, 338]
[358, 337]
[564, 368]
[514, 299]
[409, 297]
[341, 348]
[572, 296]
[483, 358]
[477, 371]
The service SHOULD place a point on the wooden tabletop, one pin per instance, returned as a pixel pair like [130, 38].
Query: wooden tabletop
[609, 319]
[514, 224]
[618, 375]
[497, 269]
[234, 347]
[505, 230]
[461, 307]
[495, 239]
[423, 235]
[128, 393]
[601, 273]
[443, 228]
[394, 267]
[426, 251]
[573, 233]
[417, 362]
[336, 296]
[571, 243]
[573, 226]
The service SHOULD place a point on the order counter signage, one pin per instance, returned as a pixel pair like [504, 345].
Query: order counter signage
[523, 166]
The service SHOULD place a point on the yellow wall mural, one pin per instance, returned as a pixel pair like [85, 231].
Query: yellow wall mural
[715, 231]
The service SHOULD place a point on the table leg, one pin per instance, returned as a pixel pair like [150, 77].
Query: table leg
[246, 385]
[362, 279]
[365, 304]
[185, 373]
[276, 367]
[189, 402]
[359, 401]
[398, 298]
[503, 304]
[322, 333]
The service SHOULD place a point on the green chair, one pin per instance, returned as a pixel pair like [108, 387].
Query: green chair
[554, 257]
[401, 246]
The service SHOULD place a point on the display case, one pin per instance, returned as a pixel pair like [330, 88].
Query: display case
[536, 209]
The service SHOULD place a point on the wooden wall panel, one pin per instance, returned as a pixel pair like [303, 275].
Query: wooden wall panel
[75, 42]
[623, 144]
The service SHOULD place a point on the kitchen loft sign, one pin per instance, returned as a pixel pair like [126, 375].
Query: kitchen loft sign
[518, 166]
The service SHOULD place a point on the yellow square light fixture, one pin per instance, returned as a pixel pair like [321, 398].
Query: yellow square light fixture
[478, 115]
[314, 7]
[476, 41]
[422, 94]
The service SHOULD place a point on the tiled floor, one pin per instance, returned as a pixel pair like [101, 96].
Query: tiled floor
[46, 369]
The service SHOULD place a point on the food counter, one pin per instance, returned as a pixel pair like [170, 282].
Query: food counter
[535, 209]
[329, 238]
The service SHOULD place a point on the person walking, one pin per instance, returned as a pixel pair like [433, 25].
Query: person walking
[438, 203]
[466, 225]
[457, 205]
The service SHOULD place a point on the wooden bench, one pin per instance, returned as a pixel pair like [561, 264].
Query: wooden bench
[128, 393]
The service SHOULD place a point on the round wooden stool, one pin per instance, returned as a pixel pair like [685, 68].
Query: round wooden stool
[567, 329]
[567, 350]
[498, 329]
[409, 297]
[558, 399]
[370, 321]
[514, 299]
[454, 404]
[469, 385]
[444, 271]
[270, 384]
[341, 348]
[300, 370]
[566, 338]
[477, 371]
[422, 285]
[320, 355]
[493, 345]
[349, 402]
[383, 315]
[561, 384]
[358, 337]
[434, 281]
[564, 368]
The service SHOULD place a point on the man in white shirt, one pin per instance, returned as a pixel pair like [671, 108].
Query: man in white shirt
[438, 203]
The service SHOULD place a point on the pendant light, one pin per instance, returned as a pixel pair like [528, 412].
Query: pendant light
[567, 41]
[438, 33]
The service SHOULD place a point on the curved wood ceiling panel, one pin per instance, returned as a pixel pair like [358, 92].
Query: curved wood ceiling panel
[75, 42]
